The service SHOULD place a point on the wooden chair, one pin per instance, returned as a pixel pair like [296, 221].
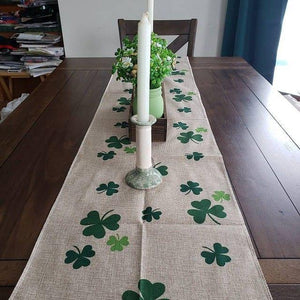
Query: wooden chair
[185, 29]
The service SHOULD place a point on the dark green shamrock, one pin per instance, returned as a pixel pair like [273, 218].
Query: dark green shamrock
[181, 125]
[106, 155]
[201, 129]
[196, 155]
[177, 72]
[187, 136]
[117, 243]
[130, 149]
[182, 97]
[129, 91]
[203, 208]
[220, 196]
[79, 258]
[148, 214]
[115, 142]
[148, 291]
[124, 124]
[217, 254]
[96, 226]
[161, 169]
[185, 110]
[124, 101]
[178, 80]
[119, 108]
[110, 188]
[175, 91]
[191, 187]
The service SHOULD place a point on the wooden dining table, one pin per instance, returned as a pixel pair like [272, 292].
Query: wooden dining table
[256, 129]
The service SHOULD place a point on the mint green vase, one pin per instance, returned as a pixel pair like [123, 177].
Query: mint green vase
[156, 103]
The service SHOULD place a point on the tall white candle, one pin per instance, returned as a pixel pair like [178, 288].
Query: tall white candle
[151, 11]
[143, 75]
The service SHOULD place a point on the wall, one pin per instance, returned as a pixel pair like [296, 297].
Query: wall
[90, 27]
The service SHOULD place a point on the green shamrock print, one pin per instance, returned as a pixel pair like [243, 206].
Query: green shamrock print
[130, 149]
[195, 155]
[124, 124]
[175, 91]
[178, 80]
[185, 110]
[115, 142]
[110, 188]
[79, 258]
[148, 291]
[220, 196]
[189, 136]
[96, 226]
[124, 101]
[191, 187]
[119, 108]
[191, 93]
[148, 214]
[130, 91]
[177, 72]
[203, 208]
[180, 125]
[161, 169]
[201, 129]
[117, 243]
[216, 254]
[182, 98]
[107, 155]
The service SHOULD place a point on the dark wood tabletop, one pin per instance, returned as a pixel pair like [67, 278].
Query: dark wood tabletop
[256, 129]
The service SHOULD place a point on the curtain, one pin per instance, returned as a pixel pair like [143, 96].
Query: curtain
[252, 31]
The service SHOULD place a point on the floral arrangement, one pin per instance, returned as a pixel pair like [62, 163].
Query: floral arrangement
[162, 61]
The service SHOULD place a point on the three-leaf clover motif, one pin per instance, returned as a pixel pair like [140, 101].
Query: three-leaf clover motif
[175, 91]
[107, 155]
[203, 208]
[148, 291]
[181, 125]
[119, 108]
[124, 101]
[110, 188]
[185, 110]
[191, 93]
[201, 129]
[79, 258]
[115, 142]
[179, 80]
[216, 254]
[191, 187]
[130, 91]
[96, 226]
[124, 124]
[177, 72]
[189, 136]
[150, 213]
[163, 170]
[195, 155]
[182, 98]
[220, 196]
[130, 149]
[117, 243]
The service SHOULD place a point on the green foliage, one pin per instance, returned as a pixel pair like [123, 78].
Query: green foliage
[182, 98]
[96, 226]
[124, 101]
[107, 155]
[181, 125]
[148, 214]
[201, 129]
[119, 108]
[179, 80]
[175, 91]
[110, 188]
[79, 258]
[124, 124]
[196, 155]
[130, 149]
[203, 208]
[191, 187]
[216, 254]
[115, 142]
[185, 110]
[162, 61]
[148, 291]
[163, 170]
[220, 196]
[117, 243]
[189, 136]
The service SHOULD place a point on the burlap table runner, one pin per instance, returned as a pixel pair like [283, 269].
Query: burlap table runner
[184, 240]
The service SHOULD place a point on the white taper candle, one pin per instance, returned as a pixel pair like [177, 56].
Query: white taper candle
[143, 75]
[151, 12]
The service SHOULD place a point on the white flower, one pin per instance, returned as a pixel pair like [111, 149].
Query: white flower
[168, 58]
[126, 62]
[158, 45]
